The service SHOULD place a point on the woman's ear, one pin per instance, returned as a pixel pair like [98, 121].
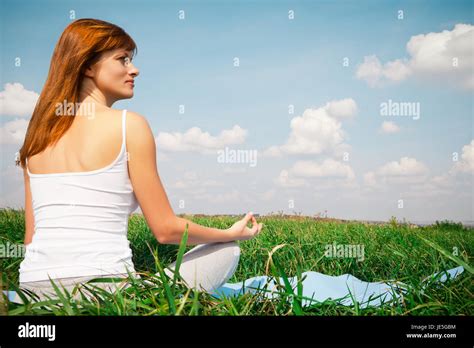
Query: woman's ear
[89, 72]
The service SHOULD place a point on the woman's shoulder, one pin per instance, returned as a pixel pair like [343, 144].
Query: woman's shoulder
[136, 125]
[135, 117]
[140, 134]
[134, 120]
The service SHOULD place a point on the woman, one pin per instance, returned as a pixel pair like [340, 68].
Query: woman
[79, 192]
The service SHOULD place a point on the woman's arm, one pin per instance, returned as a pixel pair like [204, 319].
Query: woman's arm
[165, 225]
[197, 234]
[201, 235]
[29, 218]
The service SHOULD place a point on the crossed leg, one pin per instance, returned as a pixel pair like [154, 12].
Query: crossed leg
[207, 267]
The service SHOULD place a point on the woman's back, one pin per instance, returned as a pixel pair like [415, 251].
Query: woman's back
[92, 142]
[81, 203]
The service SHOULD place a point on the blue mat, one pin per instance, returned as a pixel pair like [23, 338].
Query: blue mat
[318, 287]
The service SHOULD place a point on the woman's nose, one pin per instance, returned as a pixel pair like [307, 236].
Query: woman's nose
[135, 71]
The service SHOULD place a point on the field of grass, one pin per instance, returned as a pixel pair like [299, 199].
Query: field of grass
[393, 251]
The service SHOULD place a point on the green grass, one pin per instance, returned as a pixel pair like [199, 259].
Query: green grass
[393, 251]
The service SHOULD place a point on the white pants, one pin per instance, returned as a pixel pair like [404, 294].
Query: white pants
[206, 267]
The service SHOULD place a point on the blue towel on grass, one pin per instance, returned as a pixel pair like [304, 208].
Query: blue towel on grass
[318, 287]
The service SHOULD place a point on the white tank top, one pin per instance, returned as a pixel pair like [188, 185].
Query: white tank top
[81, 222]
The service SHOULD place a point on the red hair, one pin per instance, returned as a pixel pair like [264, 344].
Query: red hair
[81, 45]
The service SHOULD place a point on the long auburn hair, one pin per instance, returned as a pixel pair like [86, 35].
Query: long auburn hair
[81, 45]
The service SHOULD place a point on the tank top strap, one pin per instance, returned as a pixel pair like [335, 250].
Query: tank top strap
[124, 128]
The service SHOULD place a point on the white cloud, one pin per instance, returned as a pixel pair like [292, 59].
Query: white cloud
[13, 132]
[15, 100]
[396, 70]
[432, 55]
[406, 171]
[405, 167]
[456, 182]
[375, 74]
[272, 151]
[333, 172]
[317, 131]
[190, 179]
[444, 184]
[195, 140]
[370, 70]
[342, 109]
[328, 168]
[389, 127]
[284, 180]
[466, 164]
[427, 189]
[434, 52]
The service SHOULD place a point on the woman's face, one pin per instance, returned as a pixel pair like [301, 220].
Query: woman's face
[114, 74]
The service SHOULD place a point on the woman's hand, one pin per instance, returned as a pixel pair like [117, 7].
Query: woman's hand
[240, 231]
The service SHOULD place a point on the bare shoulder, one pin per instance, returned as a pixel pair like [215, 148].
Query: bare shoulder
[134, 119]
[139, 131]
[137, 124]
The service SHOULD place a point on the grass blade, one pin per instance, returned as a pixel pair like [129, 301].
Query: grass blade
[449, 255]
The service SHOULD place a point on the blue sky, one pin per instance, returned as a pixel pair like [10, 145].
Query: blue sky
[282, 62]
